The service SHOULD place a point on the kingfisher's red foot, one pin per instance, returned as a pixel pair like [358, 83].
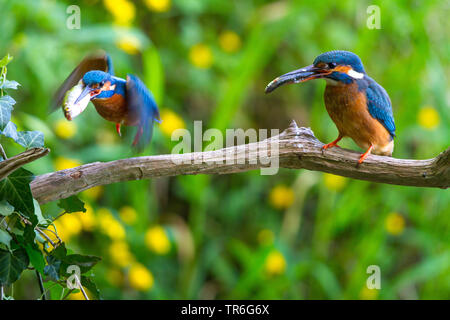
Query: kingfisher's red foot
[118, 129]
[365, 154]
[332, 144]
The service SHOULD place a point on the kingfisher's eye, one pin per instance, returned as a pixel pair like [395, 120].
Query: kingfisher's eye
[102, 83]
[332, 65]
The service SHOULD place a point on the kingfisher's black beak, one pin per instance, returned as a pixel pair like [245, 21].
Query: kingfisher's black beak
[87, 90]
[301, 75]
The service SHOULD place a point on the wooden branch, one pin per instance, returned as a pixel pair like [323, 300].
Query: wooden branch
[9, 165]
[298, 148]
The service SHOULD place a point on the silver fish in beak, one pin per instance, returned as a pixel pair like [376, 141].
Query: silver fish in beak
[297, 76]
[72, 105]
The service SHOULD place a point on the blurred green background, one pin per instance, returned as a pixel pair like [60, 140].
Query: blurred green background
[295, 235]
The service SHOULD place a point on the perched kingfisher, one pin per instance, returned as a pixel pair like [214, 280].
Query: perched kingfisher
[126, 102]
[360, 107]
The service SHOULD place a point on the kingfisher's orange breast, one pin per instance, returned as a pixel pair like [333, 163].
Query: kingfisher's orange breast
[347, 107]
[115, 109]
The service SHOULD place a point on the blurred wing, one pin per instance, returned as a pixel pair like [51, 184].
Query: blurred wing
[143, 106]
[97, 61]
[380, 106]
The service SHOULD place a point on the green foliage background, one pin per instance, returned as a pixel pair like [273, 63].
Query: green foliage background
[337, 232]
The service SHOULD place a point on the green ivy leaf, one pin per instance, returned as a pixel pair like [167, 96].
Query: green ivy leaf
[15, 189]
[60, 252]
[10, 131]
[72, 204]
[6, 106]
[7, 101]
[85, 262]
[30, 139]
[27, 241]
[12, 264]
[5, 238]
[91, 286]
[54, 260]
[38, 213]
[5, 208]
[27, 139]
[28, 235]
[36, 257]
[52, 268]
[15, 227]
[9, 84]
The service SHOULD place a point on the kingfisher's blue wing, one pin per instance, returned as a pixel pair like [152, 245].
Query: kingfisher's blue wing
[97, 61]
[380, 106]
[142, 104]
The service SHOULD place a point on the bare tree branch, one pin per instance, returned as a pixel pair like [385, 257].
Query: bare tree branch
[298, 148]
[9, 165]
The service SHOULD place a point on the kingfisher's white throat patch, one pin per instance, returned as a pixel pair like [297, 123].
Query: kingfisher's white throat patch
[355, 74]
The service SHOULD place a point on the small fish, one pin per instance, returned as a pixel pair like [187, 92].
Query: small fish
[70, 108]
[296, 76]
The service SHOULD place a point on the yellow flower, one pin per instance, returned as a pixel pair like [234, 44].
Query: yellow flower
[281, 197]
[333, 182]
[265, 237]
[230, 41]
[129, 43]
[395, 223]
[109, 225]
[67, 226]
[275, 263]
[65, 129]
[93, 193]
[120, 254]
[79, 295]
[368, 294]
[116, 231]
[201, 56]
[140, 277]
[71, 223]
[128, 214]
[170, 121]
[158, 5]
[87, 218]
[428, 117]
[157, 240]
[123, 11]
[62, 163]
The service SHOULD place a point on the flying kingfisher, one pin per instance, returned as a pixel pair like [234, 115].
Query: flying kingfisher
[360, 107]
[124, 102]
